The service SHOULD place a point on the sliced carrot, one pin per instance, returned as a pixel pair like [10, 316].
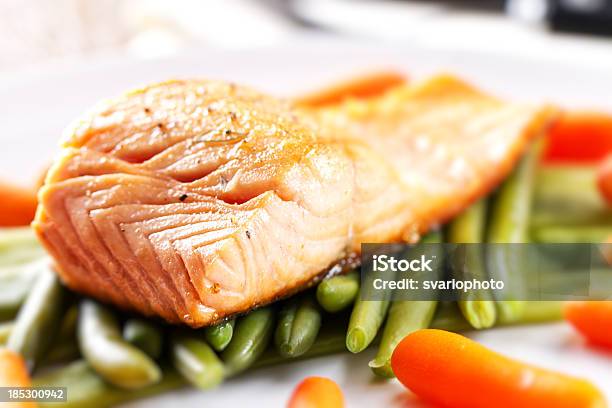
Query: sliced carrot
[452, 371]
[317, 392]
[365, 86]
[580, 137]
[17, 205]
[593, 319]
[13, 373]
[604, 179]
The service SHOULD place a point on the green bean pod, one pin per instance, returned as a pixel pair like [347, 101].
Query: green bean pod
[15, 285]
[477, 306]
[220, 335]
[145, 335]
[407, 316]
[252, 335]
[366, 318]
[39, 319]
[5, 331]
[509, 223]
[404, 318]
[88, 389]
[298, 326]
[11, 237]
[338, 292]
[62, 352]
[196, 361]
[570, 234]
[18, 246]
[117, 361]
[567, 196]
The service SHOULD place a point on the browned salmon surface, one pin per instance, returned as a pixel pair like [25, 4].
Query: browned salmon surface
[197, 200]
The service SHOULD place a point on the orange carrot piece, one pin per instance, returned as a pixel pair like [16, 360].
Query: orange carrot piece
[17, 205]
[317, 392]
[593, 319]
[452, 371]
[604, 179]
[580, 137]
[13, 373]
[365, 86]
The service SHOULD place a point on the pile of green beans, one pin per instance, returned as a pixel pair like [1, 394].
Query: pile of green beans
[106, 357]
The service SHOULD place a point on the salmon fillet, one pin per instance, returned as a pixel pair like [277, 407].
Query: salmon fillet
[197, 200]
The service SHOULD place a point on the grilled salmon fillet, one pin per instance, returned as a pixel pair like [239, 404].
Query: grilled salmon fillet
[196, 200]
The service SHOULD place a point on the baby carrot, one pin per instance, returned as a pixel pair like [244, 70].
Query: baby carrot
[452, 371]
[14, 373]
[17, 205]
[593, 319]
[580, 137]
[316, 392]
[366, 86]
[604, 179]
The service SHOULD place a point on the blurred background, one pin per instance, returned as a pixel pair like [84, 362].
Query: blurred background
[42, 31]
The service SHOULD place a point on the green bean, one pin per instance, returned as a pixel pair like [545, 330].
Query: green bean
[298, 326]
[476, 305]
[539, 311]
[251, 337]
[509, 223]
[67, 329]
[571, 234]
[38, 321]
[15, 284]
[567, 196]
[11, 237]
[87, 389]
[196, 361]
[510, 210]
[19, 255]
[18, 245]
[64, 347]
[366, 318]
[220, 335]
[145, 335]
[338, 292]
[117, 361]
[5, 331]
[62, 352]
[406, 316]
[449, 317]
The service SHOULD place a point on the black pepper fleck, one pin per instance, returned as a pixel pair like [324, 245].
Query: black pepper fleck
[248, 234]
[183, 197]
[147, 110]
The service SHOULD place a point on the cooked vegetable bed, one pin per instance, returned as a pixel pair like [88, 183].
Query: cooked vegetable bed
[106, 357]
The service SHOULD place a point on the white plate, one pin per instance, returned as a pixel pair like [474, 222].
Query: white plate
[35, 109]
